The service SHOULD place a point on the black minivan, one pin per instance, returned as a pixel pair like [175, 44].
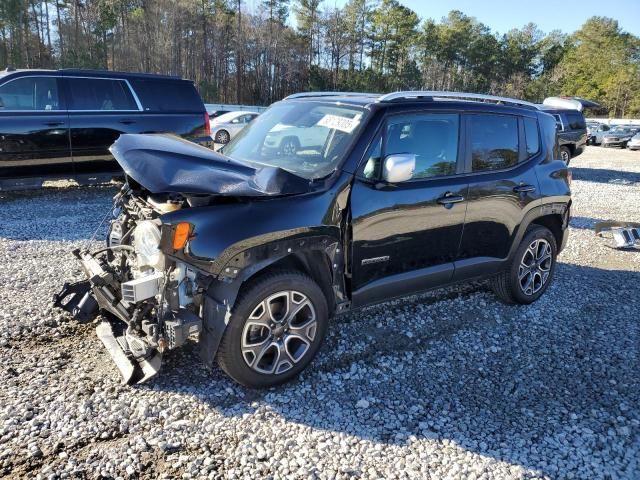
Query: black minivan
[61, 123]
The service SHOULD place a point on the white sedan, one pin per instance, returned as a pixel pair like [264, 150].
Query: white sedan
[227, 126]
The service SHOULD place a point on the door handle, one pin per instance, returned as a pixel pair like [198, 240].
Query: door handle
[524, 188]
[54, 124]
[448, 199]
[127, 122]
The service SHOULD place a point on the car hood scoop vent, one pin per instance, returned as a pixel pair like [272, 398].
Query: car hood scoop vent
[170, 164]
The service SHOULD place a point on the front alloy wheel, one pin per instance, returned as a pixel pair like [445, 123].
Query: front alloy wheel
[279, 332]
[535, 266]
[276, 327]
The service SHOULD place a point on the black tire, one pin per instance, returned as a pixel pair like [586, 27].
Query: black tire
[507, 284]
[222, 137]
[230, 353]
[565, 154]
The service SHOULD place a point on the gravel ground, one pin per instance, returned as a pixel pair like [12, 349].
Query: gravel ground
[451, 384]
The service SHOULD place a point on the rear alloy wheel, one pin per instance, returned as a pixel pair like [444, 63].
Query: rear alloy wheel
[535, 266]
[565, 155]
[222, 137]
[276, 328]
[531, 269]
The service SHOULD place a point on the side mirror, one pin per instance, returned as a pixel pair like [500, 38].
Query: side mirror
[399, 168]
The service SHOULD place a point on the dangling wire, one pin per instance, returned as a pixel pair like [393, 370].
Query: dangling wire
[95, 232]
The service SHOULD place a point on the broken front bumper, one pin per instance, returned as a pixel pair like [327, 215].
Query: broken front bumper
[135, 344]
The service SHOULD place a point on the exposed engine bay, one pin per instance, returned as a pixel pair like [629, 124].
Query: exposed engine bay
[152, 303]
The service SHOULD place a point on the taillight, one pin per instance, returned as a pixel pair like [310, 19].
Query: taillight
[207, 125]
[569, 177]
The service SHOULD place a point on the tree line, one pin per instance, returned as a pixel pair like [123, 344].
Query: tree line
[257, 55]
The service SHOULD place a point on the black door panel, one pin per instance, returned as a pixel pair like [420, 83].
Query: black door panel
[406, 229]
[91, 136]
[93, 133]
[34, 144]
[406, 235]
[503, 187]
[34, 128]
[494, 211]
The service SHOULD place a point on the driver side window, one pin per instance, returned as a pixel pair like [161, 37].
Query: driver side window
[432, 138]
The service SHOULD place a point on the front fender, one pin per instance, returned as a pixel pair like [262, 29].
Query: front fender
[221, 292]
[222, 232]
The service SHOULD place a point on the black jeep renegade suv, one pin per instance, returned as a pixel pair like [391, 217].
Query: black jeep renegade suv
[251, 251]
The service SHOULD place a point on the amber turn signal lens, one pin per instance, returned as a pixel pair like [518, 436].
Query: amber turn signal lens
[181, 235]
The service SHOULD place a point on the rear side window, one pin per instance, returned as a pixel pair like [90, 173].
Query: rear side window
[494, 142]
[30, 93]
[100, 94]
[576, 121]
[531, 136]
[168, 96]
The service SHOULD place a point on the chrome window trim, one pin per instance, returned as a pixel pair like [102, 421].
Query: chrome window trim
[133, 93]
[558, 119]
[32, 111]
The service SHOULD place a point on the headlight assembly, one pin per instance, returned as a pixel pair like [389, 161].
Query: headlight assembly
[146, 241]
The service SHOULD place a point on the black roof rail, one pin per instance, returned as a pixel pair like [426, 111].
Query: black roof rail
[115, 72]
[477, 97]
[329, 94]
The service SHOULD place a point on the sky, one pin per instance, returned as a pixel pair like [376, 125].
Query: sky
[502, 16]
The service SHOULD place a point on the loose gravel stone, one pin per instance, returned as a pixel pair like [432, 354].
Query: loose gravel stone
[449, 384]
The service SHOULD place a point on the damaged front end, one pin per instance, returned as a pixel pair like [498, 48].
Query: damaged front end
[151, 303]
[181, 242]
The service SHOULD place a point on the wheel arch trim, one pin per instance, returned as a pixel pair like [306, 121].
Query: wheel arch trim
[222, 292]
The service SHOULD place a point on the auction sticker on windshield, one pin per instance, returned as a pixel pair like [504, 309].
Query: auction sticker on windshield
[336, 122]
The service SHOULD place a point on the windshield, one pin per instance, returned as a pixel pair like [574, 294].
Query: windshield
[620, 130]
[308, 139]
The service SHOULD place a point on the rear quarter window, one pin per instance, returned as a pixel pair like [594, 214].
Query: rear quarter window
[168, 96]
[532, 136]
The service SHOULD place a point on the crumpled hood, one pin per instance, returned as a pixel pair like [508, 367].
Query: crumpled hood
[164, 163]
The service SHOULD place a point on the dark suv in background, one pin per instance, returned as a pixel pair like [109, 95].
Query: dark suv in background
[62, 122]
[572, 131]
[252, 251]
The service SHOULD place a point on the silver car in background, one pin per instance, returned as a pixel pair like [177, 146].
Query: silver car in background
[227, 126]
[619, 136]
[634, 143]
[595, 132]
